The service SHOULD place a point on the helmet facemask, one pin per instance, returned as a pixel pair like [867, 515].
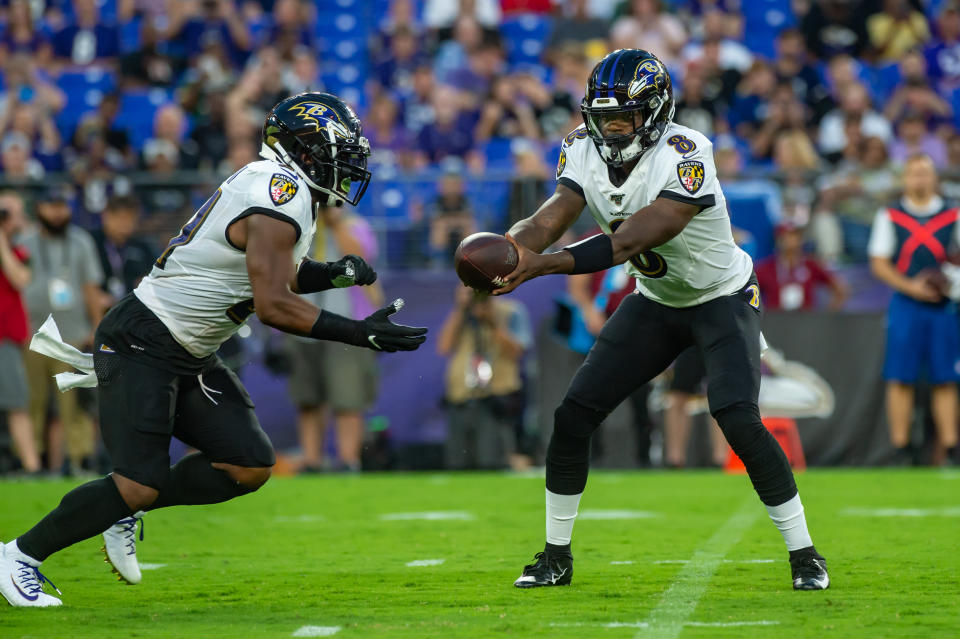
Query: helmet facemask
[646, 119]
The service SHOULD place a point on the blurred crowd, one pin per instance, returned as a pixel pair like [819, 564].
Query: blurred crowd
[150, 97]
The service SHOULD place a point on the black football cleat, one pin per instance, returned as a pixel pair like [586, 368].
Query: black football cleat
[809, 571]
[548, 569]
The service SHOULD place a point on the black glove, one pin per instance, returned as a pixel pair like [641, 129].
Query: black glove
[383, 335]
[376, 332]
[351, 270]
[313, 276]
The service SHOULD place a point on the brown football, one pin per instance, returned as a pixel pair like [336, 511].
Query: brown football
[483, 258]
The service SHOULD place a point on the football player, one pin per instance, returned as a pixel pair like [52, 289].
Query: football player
[243, 252]
[651, 185]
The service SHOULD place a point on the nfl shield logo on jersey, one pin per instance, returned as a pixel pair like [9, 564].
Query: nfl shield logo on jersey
[691, 175]
[282, 188]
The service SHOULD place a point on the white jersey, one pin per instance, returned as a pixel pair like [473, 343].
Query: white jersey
[702, 262]
[199, 287]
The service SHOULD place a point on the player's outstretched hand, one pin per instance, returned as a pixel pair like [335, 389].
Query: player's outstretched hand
[528, 267]
[351, 270]
[384, 335]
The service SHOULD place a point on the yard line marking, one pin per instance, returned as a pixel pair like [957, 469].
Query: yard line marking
[152, 566]
[620, 563]
[946, 511]
[316, 631]
[949, 474]
[672, 561]
[681, 598]
[644, 624]
[432, 515]
[298, 519]
[603, 514]
[425, 562]
[610, 624]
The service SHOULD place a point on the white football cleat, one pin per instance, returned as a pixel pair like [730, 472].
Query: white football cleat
[21, 583]
[120, 548]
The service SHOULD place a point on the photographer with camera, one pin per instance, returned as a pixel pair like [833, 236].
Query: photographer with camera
[14, 277]
[485, 339]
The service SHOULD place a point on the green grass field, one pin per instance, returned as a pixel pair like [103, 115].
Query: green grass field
[318, 552]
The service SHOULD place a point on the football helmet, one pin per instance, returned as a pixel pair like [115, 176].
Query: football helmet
[320, 137]
[633, 86]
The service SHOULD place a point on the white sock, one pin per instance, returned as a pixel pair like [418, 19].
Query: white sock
[791, 523]
[561, 513]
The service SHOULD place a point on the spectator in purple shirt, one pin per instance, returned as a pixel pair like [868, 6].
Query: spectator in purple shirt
[21, 35]
[88, 38]
[450, 133]
[395, 72]
[943, 53]
[389, 141]
[914, 138]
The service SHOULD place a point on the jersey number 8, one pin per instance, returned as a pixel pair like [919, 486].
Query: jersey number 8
[649, 263]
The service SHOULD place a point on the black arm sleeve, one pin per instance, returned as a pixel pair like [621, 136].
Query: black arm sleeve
[313, 276]
[333, 327]
[592, 254]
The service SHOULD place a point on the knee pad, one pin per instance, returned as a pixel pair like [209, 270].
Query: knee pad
[576, 420]
[741, 425]
[762, 456]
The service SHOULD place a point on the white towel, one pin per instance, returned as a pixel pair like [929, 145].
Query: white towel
[47, 341]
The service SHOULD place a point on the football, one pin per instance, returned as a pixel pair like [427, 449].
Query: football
[482, 259]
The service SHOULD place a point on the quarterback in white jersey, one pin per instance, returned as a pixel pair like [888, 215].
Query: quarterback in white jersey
[243, 252]
[652, 187]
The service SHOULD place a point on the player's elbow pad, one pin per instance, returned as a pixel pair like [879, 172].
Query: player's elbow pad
[313, 277]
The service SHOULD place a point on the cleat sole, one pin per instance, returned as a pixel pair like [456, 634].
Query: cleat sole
[113, 569]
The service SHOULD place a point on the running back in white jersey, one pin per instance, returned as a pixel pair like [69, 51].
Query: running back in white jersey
[199, 287]
[699, 264]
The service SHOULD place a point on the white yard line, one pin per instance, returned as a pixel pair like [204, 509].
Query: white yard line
[425, 562]
[152, 566]
[666, 621]
[316, 631]
[433, 515]
[644, 624]
[621, 563]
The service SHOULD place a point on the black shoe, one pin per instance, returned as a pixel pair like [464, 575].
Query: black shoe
[809, 571]
[548, 570]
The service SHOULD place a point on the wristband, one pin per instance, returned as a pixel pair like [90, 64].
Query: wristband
[337, 328]
[313, 276]
[592, 254]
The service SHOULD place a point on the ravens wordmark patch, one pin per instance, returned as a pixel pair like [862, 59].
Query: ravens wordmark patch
[282, 188]
[691, 175]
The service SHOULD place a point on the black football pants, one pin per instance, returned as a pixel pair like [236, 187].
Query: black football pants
[639, 341]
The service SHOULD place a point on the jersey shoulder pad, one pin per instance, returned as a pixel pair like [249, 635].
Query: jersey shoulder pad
[579, 133]
[686, 143]
[273, 185]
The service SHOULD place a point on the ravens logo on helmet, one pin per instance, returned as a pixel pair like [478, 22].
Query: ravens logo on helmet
[628, 87]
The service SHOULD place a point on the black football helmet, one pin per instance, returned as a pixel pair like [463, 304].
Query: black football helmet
[631, 85]
[319, 137]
